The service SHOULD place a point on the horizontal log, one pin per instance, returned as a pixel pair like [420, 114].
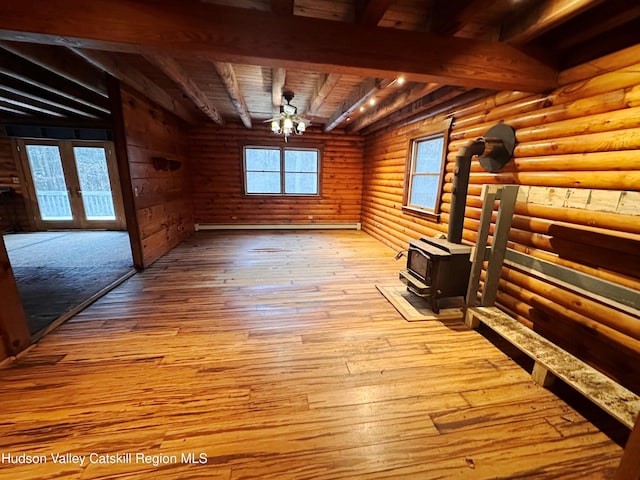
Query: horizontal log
[603, 122]
[609, 63]
[625, 281]
[606, 102]
[603, 220]
[628, 76]
[610, 180]
[596, 237]
[619, 321]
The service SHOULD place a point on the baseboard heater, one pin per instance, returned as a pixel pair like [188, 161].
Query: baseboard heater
[278, 226]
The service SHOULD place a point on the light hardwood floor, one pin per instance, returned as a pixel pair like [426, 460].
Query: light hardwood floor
[273, 356]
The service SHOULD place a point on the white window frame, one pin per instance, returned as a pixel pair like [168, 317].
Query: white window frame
[414, 208]
[281, 171]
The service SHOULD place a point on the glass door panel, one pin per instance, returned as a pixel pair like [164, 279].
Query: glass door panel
[49, 182]
[95, 187]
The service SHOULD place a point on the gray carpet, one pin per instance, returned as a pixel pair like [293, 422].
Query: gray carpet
[56, 271]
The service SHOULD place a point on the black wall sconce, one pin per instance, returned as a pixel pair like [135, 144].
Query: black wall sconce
[165, 164]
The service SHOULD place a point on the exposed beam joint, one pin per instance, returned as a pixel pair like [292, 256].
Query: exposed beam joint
[237, 35]
[278, 77]
[175, 72]
[228, 76]
[321, 92]
[542, 16]
[132, 77]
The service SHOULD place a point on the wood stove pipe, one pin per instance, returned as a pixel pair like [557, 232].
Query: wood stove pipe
[460, 187]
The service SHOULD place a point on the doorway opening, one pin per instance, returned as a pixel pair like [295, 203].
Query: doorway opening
[72, 184]
[79, 247]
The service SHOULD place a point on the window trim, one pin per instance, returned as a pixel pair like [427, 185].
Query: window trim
[439, 131]
[281, 149]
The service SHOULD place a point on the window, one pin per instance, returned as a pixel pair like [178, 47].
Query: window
[424, 174]
[281, 171]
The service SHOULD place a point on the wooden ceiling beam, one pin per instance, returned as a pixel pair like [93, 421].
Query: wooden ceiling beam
[42, 93]
[322, 90]
[604, 18]
[35, 107]
[540, 17]
[356, 98]
[42, 102]
[248, 36]
[278, 77]
[23, 70]
[5, 108]
[397, 101]
[180, 77]
[228, 76]
[132, 77]
[445, 99]
[61, 62]
[370, 12]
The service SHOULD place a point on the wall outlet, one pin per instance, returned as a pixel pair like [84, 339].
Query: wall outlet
[15, 179]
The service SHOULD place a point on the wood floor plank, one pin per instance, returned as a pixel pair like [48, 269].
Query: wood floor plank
[273, 356]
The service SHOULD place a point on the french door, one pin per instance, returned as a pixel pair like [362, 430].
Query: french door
[72, 185]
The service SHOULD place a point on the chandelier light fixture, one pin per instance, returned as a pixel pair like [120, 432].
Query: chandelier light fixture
[288, 122]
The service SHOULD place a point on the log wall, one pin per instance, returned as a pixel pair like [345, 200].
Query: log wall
[218, 178]
[13, 210]
[162, 199]
[578, 164]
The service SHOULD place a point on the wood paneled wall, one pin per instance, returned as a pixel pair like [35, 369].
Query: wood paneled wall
[218, 178]
[162, 199]
[13, 210]
[578, 162]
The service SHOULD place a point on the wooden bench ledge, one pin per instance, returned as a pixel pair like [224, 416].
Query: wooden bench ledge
[551, 361]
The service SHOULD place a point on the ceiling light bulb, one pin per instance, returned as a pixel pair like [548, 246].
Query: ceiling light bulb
[362, 109]
[275, 126]
[372, 101]
[287, 124]
[401, 80]
[301, 127]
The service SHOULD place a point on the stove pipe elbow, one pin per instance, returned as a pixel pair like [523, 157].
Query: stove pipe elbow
[460, 187]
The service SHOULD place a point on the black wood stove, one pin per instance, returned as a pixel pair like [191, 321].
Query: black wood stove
[439, 268]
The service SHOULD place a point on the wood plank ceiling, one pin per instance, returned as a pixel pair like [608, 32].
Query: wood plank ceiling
[353, 64]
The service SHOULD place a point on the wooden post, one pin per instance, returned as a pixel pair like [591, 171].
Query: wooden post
[629, 468]
[122, 159]
[542, 376]
[13, 321]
